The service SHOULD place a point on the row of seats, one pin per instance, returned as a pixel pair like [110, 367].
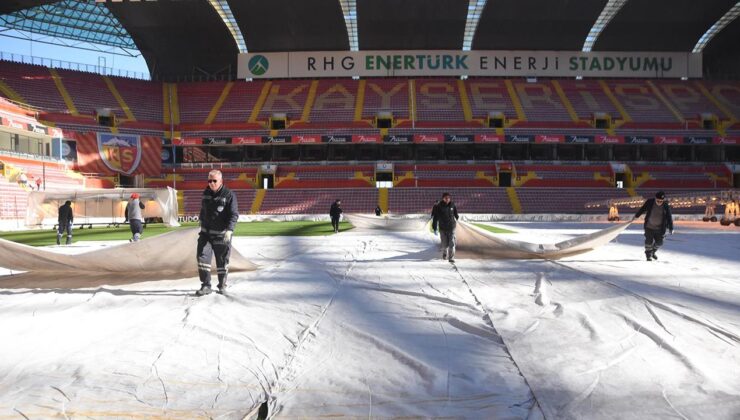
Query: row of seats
[421, 200]
[665, 103]
[53, 175]
[478, 175]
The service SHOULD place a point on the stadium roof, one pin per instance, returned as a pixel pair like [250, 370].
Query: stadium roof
[183, 38]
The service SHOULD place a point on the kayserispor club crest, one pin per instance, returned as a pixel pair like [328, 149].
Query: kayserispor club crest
[120, 152]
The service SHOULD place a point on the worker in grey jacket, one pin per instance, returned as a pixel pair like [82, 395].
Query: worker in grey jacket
[134, 216]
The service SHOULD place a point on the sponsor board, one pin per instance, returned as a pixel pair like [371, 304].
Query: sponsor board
[726, 140]
[247, 140]
[459, 138]
[429, 138]
[336, 139]
[314, 64]
[579, 139]
[188, 141]
[307, 139]
[276, 139]
[668, 140]
[215, 141]
[38, 129]
[489, 138]
[544, 139]
[601, 139]
[366, 138]
[398, 139]
[697, 140]
[519, 138]
[638, 139]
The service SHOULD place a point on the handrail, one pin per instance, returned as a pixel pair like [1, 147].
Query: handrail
[70, 65]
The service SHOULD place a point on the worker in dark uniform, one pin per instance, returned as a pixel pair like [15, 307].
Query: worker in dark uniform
[134, 217]
[65, 219]
[658, 220]
[444, 217]
[335, 212]
[219, 213]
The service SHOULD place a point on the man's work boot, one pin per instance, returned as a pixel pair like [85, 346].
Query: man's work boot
[204, 290]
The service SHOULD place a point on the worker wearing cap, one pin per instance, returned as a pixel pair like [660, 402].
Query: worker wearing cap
[658, 219]
[134, 216]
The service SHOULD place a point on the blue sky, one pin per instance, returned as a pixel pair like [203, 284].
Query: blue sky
[38, 49]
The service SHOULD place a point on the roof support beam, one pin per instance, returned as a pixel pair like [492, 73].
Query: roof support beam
[349, 11]
[610, 10]
[475, 10]
[224, 12]
[725, 20]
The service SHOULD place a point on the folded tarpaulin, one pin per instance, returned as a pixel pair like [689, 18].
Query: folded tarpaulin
[474, 242]
[170, 255]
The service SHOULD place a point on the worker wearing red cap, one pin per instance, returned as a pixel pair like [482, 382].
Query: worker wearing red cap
[135, 217]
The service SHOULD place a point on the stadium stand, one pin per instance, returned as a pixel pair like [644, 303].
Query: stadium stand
[288, 177]
[468, 200]
[318, 201]
[705, 176]
[445, 175]
[564, 175]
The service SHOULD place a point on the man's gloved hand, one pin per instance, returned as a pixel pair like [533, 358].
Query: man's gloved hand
[227, 235]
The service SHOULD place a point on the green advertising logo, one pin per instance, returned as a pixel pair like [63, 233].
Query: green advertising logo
[258, 65]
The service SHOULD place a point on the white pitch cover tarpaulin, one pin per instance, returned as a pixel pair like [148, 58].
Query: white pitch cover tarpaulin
[476, 243]
[101, 205]
[387, 222]
[168, 256]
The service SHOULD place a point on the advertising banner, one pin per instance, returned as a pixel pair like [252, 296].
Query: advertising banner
[247, 140]
[315, 64]
[429, 138]
[459, 138]
[398, 139]
[188, 141]
[638, 139]
[366, 138]
[726, 140]
[668, 140]
[579, 139]
[489, 138]
[519, 138]
[276, 139]
[307, 139]
[600, 139]
[216, 141]
[336, 139]
[544, 139]
[697, 140]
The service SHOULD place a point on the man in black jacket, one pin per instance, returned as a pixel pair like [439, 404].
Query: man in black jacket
[334, 212]
[658, 219]
[65, 219]
[219, 213]
[445, 216]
